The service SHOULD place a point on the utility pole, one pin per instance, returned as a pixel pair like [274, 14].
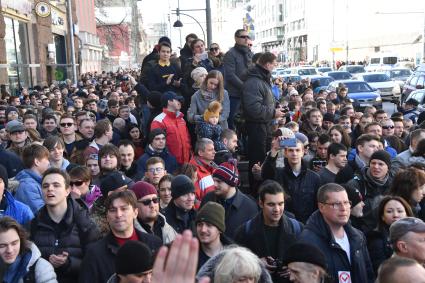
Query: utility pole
[71, 39]
[208, 18]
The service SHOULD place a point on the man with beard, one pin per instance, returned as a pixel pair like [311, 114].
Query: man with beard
[230, 140]
[149, 218]
[337, 159]
[210, 229]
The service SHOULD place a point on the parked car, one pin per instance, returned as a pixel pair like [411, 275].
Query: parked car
[339, 75]
[304, 72]
[352, 69]
[321, 80]
[322, 70]
[418, 95]
[414, 82]
[291, 78]
[399, 75]
[360, 92]
[382, 82]
[278, 72]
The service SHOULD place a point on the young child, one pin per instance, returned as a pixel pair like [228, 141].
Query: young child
[209, 127]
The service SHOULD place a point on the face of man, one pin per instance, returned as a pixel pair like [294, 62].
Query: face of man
[388, 128]
[413, 246]
[364, 121]
[381, 116]
[30, 124]
[207, 154]
[158, 142]
[336, 210]
[165, 53]
[232, 143]
[378, 169]
[108, 162]
[78, 103]
[368, 148]
[340, 160]
[242, 38]
[221, 189]
[54, 190]
[120, 216]
[125, 113]
[272, 207]
[186, 201]
[322, 150]
[126, 155]
[315, 119]
[10, 245]
[18, 137]
[207, 233]
[114, 110]
[49, 125]
[345, 123]
[270, 66]
[398, 129]
[154, 173]
[145, 277]
[148, 207]
[87, 129]
[66, 126]
[294, 154]
[300, 274]
[308, 97]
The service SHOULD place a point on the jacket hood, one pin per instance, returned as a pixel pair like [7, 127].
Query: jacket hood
[28, 174]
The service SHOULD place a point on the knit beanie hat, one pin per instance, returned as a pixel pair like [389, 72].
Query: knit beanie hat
[212, 213]
[303, 252]
[181, 185]
[228, 173]
[383, 156]
[164, 39]
[354, 195]
[197, 73]
[10, 109]
[133, 257]
[156, 132]
[213, 110]
[4, 176]
[142, 189]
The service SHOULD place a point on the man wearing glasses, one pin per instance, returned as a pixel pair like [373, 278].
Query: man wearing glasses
[149, 219]
[155, 170]
[344, 246]
[236, 63]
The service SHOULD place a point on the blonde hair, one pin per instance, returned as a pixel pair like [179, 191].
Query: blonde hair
[237, 262]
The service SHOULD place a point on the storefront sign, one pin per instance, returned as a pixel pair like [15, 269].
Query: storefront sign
[58, 19]
[21, 6]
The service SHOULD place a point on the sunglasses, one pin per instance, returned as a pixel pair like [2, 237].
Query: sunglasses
[244, 36]
[148, 201]
[66, 125]
[212, 49]
[387, 127]
[76, 183]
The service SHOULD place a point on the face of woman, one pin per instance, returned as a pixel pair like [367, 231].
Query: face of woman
[165, 191]
[336, 136]
[10, 245]
[93, 166]
[212, 84]
[393, 211]
[135, 133]
[418, 194]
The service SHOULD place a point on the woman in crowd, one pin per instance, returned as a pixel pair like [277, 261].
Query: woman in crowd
[164, 189]
[93, 165]
[56, 147]
[137, 138]
[82, 190]
[212, 89]
[391, 209]
[56, 105]
[216, 56]
[22, 258]
[338, 135]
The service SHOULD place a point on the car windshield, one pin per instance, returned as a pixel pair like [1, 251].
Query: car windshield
[340, 76]
[307, 72]
[376, 78]
[399, 73]
[358, 87]
[390, 60]
[356, 69]
[322, 81]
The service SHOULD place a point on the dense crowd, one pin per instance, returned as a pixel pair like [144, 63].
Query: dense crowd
[101, 181]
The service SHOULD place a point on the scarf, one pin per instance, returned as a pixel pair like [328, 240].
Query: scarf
[372, 180]
[18, 269]
[244, 50]
[208, 95]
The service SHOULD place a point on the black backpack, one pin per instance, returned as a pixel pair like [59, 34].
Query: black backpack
[30, 276]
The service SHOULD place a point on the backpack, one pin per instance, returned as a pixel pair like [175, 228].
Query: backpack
[30, 276]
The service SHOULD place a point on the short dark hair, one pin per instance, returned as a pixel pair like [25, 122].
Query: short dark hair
[270, 187]
[80, 172]
[227, 134]
[111, 149]
[32, 152]
[101, 128]
[191, 35]
[7, 223]
[311, 111]
[53, 170]
[164, 44]
[52, 141]
[266, 57]
[366, 138]
[322, 193]
[379, 111]
[165, 178]
[334, 148]
[127, 196]
[324, 138]
[48, 117]
[238, 32]
[126, 143]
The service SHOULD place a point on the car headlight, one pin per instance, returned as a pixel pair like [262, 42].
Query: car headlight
[378, 99]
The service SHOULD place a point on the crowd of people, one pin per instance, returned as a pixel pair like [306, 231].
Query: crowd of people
[133, 176]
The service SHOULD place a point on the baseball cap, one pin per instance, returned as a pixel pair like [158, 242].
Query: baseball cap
[402, 226]
[14, 126]
[170, 95]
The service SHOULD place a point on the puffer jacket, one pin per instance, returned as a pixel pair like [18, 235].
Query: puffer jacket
[257, 101]
[178, 138]
[205, 182]
[236, 62]
[301, 189]
[169, 159]
[318, 233]
[17, 210]
[29, 189]
[76, 232]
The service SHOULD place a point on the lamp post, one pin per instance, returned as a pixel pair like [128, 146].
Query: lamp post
[71, 39]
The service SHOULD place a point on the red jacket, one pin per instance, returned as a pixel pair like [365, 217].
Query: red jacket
[178, 138]
[205, 182]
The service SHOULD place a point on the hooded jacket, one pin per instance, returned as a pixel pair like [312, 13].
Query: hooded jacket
[318, 233]
[29, 189]
[17, 210]
[168, 233]
[169, 159]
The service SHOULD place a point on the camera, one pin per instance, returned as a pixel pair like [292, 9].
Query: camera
[288, 143]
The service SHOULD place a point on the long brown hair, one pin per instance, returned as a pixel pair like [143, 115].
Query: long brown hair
[220, 89]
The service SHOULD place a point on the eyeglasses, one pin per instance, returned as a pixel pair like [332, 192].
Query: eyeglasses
[155, 170]
[148, 201]
[212, 49]
[76, 183]
[243, 36]
[66, 125]
[338, 205]
[387, 127]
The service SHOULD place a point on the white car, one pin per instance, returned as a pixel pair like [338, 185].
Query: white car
[381, 82]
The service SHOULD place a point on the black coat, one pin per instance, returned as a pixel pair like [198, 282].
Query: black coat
[301, 189]
[99, 263]
[254, 237]
[73, 234]
[379, 247]
[241, 210]
[11, 162]
[318, 233]
[174, 217]
[236, 63]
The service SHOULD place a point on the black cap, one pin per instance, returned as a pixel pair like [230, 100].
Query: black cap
[164, 39]
[113, 181]
[133, 257]
[302, 252]
[329, 117]
[383, 156]
[170, 95]
[181, 185]
[354, 195]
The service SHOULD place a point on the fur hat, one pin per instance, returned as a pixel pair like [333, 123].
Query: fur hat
[213, 110]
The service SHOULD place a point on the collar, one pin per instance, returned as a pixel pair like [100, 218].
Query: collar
[177, 114]
[163, 63]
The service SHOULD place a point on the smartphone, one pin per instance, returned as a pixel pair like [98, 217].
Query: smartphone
[288, 143]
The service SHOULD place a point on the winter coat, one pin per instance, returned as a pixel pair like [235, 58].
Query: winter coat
[379, 247]
[168, 233]
[29, 189]
[76, 232]
[238, 212]
[401, 161]
[200, 102]
[212, 132]
[42, 270]
[257, 101]
[205, 182]
[174, 216]
[11, 162]
[301, 189]
[318, 233]
[99, 262]
[169, 159]
[178, 138]
[236, 62]
[17, 210]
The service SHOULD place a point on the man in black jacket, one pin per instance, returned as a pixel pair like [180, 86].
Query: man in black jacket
[99, 263]
[259, 109]
[239, 207]
[343, 245]
[62, 229]
[271, 232]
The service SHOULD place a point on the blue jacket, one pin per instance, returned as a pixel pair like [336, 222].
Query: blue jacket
[169, 159]
[29, 190]
[11, 162]
[318, 233]
[17, 210]
[352, 153]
